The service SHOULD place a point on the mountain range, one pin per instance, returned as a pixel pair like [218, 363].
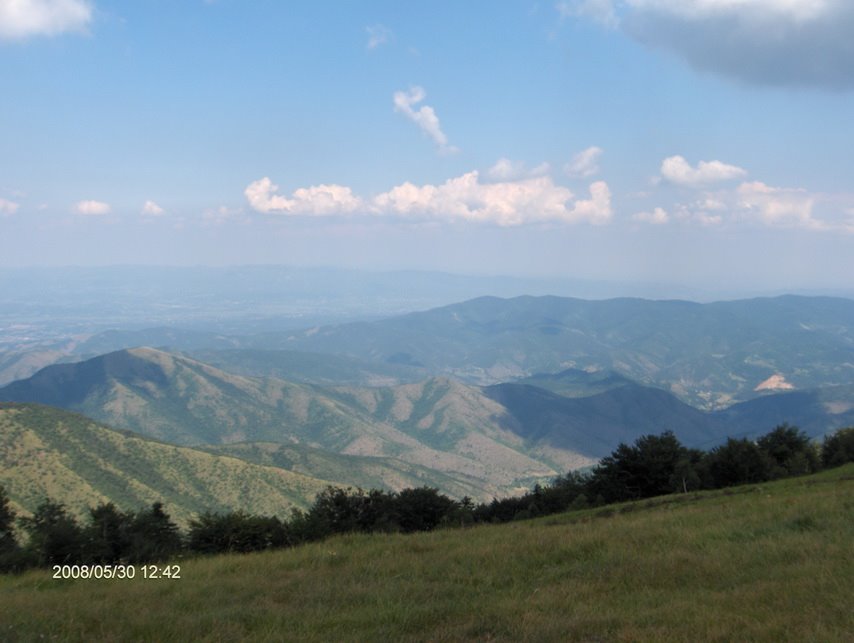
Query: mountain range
[462, 438]
[482, 398]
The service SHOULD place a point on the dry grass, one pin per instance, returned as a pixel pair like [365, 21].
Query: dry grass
[769, 563]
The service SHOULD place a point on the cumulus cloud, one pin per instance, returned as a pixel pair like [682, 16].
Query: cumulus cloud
[92, 208]
[317, 200]
[585, 163]
[769, 42]
[658, 216]
[151, 209]
[601, 11]
[778, 206]
[377, 35]
[507, 203]
[424, 117]
[8, 207]
[677, 170]
[463, 198]
[21, 19]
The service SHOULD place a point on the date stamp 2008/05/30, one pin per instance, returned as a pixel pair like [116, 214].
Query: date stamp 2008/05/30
[117, 572]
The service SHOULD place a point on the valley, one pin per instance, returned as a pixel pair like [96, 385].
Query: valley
[365, 412]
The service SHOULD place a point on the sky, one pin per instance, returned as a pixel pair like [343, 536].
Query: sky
[700, 142]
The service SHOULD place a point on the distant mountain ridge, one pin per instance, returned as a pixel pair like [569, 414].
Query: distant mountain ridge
[710, 355]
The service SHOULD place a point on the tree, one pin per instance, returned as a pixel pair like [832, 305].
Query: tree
[7, 524]
[12, 558]
[108, 536]
[422, 509]
[640, 471]
[838, 448]
[153, 536]
[737, 462]
[790, 451]
[55, 536]
[236, 531]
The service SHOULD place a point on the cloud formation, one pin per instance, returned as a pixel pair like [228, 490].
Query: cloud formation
[317, 200]
[658, 216]
[507, 170]
[151, 209]
[677, 170]
[585, 163]
[21, 19]
[92, 208]
[377, 35]
[464, 198]
[8, 207]
[510, 203]
[778, 206]
[766, 42]
[424, 117]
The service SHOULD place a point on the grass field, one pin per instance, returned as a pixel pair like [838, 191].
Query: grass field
[770, 562]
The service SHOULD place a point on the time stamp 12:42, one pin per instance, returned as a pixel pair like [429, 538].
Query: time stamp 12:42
[117, 572]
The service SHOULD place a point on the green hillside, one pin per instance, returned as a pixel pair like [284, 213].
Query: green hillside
[438, 424]
[757, 563]
[365, 472]
[48, 452]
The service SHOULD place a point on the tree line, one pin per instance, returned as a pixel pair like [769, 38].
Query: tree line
[654, 465]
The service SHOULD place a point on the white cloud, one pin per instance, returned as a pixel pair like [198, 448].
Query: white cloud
[507, 170]
[778, 206]
[509, 203]
[769, 42]
[601, 11]
[585, 163]
[151, 209]
[425, 116]
[317, 200]
[8, 207]
[658, 216]
[20, 19]
[377, 35]
[92, 208]
[677, 170]
[463, 198]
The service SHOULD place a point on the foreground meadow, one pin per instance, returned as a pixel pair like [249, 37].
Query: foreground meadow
[770, 562]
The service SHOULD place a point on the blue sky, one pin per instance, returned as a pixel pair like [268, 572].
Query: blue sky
[692, 141]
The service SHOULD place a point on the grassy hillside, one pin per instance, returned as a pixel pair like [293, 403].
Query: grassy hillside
[438, 424]
[758, 563]
[65, 456]
[366, 472]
